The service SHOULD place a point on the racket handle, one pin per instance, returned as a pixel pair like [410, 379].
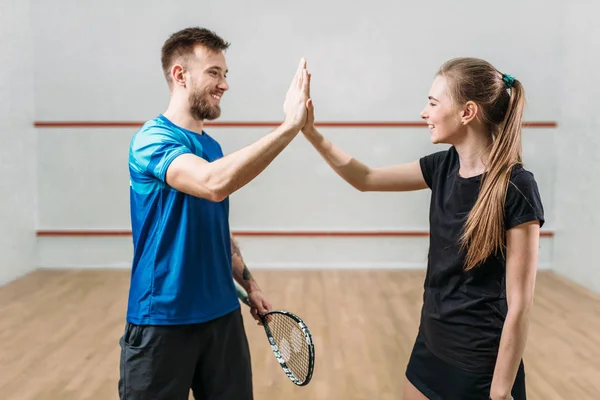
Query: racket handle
[241, 293]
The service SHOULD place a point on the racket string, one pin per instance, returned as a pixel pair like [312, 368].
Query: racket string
[291, 343]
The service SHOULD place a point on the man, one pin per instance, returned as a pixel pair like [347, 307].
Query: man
[184, 326]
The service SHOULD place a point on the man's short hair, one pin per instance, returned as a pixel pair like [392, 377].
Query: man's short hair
[181, 44]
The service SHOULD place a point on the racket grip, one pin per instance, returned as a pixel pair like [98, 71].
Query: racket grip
[241, 293]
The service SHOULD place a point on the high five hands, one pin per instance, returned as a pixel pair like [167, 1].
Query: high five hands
[298, 106]
[297, 97]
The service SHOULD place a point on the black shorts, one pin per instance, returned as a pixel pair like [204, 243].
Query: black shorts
[166, 361]
[440, 380]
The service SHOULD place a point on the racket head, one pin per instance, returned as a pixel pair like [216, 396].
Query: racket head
[292, 344]
[301, 367]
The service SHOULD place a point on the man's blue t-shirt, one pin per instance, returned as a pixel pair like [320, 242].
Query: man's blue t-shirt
[181, 270]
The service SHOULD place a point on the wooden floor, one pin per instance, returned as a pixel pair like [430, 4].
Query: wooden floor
[59, 333]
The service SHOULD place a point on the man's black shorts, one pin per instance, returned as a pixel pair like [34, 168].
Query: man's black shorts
[166, 361]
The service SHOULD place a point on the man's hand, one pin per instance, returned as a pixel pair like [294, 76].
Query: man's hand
[296, 98]
[258, 304]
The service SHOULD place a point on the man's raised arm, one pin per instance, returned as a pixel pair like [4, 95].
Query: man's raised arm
[218, 179]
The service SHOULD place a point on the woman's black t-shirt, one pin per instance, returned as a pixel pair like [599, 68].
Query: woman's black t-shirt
[463, 312]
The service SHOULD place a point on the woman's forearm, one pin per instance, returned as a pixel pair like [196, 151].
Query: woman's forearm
[351, 170]
[510, 354]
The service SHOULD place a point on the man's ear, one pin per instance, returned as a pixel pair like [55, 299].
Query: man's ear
[178, 75]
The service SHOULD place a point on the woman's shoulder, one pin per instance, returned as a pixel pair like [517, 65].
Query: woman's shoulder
[523, 199]
[521, 178]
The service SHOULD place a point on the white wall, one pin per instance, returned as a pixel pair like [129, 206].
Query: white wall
[101, 62]
[577, 151]
[18, 184]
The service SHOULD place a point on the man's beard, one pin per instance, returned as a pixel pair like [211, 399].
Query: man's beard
[201, 109]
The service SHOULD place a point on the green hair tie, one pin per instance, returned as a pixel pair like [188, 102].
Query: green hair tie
[509, 80]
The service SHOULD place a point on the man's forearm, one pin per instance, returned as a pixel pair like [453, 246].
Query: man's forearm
[512, 347]
[241, 273]
[235, 170]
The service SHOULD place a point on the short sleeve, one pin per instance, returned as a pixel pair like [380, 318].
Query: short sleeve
[153, 150]
[523, 201]
[429, 164]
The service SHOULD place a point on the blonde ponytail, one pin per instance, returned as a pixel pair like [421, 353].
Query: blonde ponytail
[502, 100]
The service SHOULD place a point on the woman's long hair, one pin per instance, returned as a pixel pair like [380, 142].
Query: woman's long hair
[501, 100]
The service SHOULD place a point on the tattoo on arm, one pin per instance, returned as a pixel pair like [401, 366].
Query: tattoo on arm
[246, 274]
[235, 250]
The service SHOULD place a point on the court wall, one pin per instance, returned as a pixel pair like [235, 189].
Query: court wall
[99, 63]
[577, 148]
[18, 185]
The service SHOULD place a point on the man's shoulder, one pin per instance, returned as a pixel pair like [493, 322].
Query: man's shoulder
[155, 130]
[157, 125]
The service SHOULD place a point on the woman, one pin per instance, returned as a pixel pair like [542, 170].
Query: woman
[485, 217]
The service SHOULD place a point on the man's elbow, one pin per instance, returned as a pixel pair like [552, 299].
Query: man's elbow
[217, 195]
[214, 190]
[195, 176]
[203, 186]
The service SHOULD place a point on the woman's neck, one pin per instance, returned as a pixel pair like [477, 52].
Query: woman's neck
[473, 153]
